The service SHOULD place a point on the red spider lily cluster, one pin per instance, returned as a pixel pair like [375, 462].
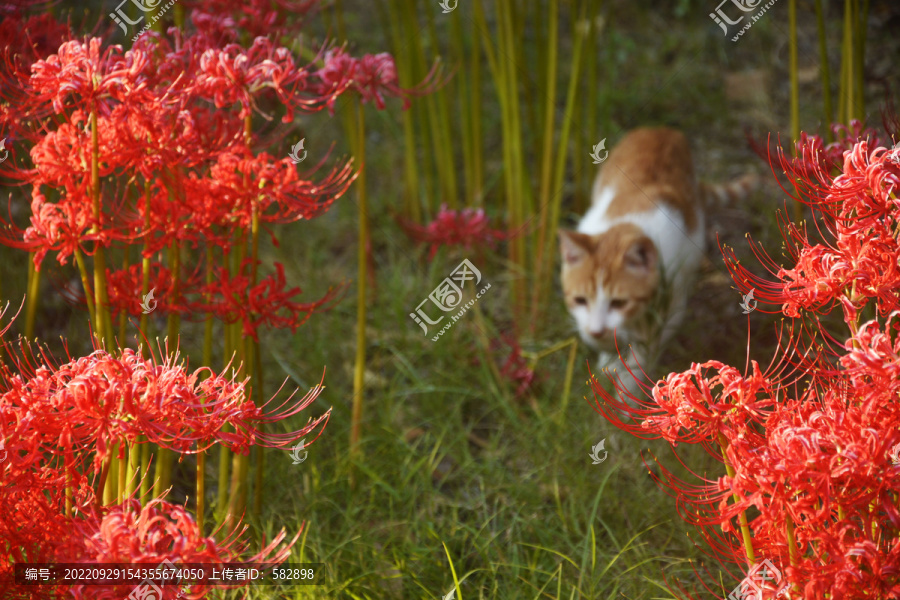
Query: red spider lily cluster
[810, 444]
[152, 153]
[468, 227]
[59, 424]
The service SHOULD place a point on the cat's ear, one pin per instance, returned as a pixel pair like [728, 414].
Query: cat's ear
[573, 246]
[641, 256]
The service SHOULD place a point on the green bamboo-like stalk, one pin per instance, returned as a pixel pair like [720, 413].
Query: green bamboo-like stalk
[123, 316]
[164, 456]
[110, 484]
[240, 481]
[122, 472]
[86, 284]
[145, 259]
[101, 301]
[506, 80]
[459, 47]
[846, 88]
[207, 360]
[474, 109]
[359, 369]
[439, 143]
[404, 72]
[260, 451]
[589, 109]
[795, 91]
[34, 281]
[134, 467]
[447, 163]
[145, 473]
[547, 250]
[547, 155]
[861, 19]
[825, 70]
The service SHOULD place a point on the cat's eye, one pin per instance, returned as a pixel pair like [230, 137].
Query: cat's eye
[618, 303]
[581, 300]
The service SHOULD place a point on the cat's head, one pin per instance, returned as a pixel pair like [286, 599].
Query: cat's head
[608, 279]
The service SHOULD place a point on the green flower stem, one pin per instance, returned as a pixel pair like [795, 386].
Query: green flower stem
[795, 91]
[145, 473]
[792, 545]
[145, 260]
[110, 484]
[359, 369]
[551, 54]
[546, 251]
[201, 489]
[825, 71]
[134, 467]
[742, 518]
[101, 300]
[86, 283]
[260, 450]
[411, 209]
[34, 280]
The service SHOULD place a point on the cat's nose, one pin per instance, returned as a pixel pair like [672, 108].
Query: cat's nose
[598, 333]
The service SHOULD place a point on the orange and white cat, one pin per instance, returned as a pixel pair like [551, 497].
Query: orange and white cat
[628, 270]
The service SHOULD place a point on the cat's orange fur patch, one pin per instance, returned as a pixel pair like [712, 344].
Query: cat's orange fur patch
[649, 167]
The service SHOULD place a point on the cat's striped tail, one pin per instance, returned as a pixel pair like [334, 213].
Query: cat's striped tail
[723, 194]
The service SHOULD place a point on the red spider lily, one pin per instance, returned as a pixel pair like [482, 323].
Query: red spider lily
[239, 183]
[152, 535]
[25, 40]
[104, 399]
[257, 17]
[234, 74]
[858, 212]
[515, 368]
[266, 303]
[811, 446]
[371, 76]
[156, 533]
[468, 227]
[125, 286]
[814, 155]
